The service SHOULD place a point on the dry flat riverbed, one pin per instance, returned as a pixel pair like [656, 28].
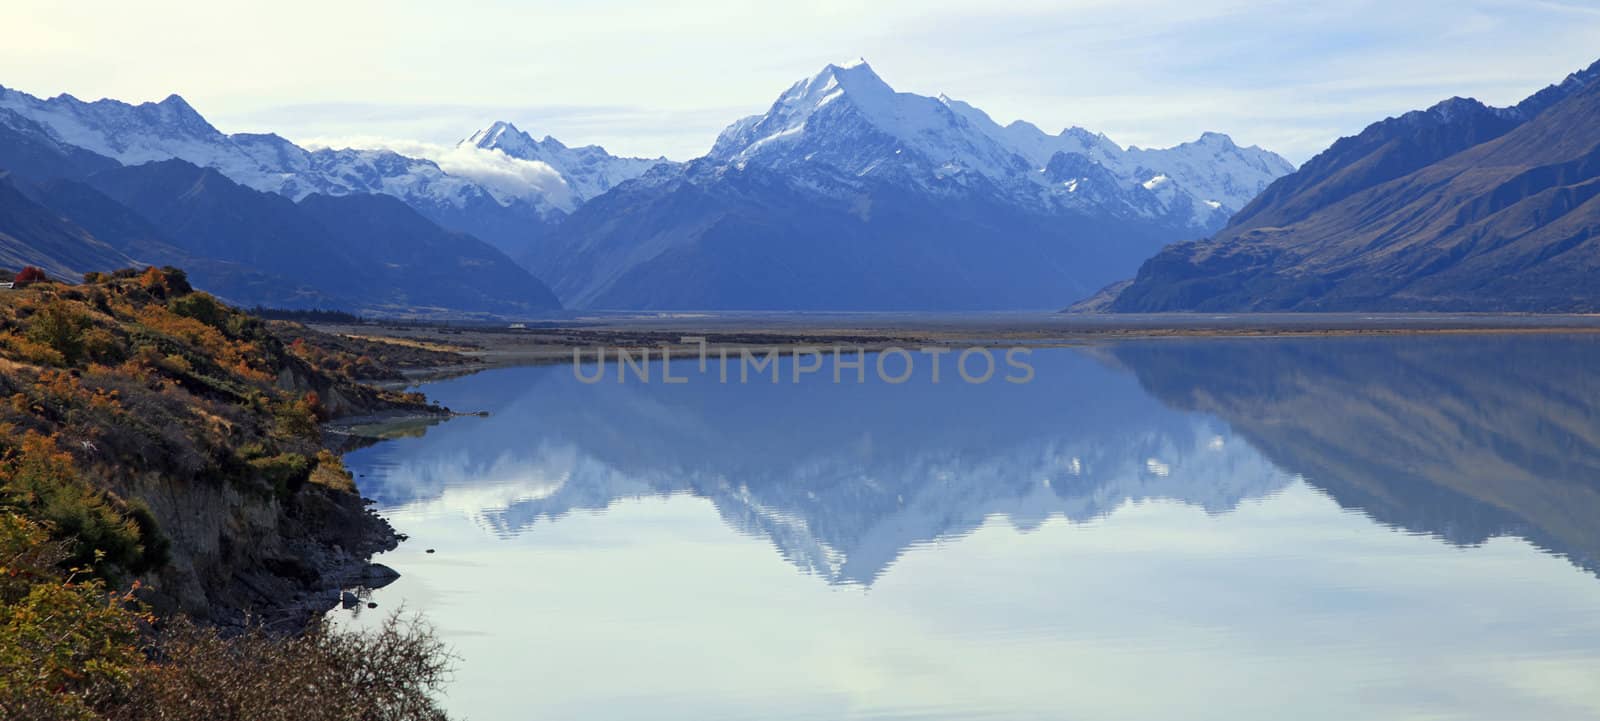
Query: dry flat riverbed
[554, 341]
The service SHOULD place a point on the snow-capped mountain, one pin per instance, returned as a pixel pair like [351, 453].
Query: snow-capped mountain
[256, 218]
[848, 117]
[548, 180]
[848, 195]
[587, 171]
[135, 134]
[28, 150]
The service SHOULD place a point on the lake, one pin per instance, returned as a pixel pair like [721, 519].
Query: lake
[1331, 528]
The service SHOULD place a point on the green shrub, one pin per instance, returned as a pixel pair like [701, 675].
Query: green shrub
[284, 472]
[101, 346]
[68, 647]
[177, 280]
[43, 482]
[200, 307]
[157, 548]
[61, 327]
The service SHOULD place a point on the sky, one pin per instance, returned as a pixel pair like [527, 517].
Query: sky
[657, 77]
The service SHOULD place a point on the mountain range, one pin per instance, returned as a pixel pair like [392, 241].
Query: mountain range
[844, 195]
[508, 216]
[1458, 207]
[69, 210]
[847, 195]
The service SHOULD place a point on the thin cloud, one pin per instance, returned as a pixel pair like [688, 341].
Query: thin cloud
[623, 130]
[504, 176]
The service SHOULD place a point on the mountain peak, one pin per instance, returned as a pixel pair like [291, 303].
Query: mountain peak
[578, 173]
[175, 109]
[850, 120]
[176, 101]
[495, 135]
[856, 78]
[500, 126]
[852, 89]
[1077, 131]
[1454, 107]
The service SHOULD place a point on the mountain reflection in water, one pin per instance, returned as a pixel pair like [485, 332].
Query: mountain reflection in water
[1197, 529]
[1461, 437]
[1464, 438]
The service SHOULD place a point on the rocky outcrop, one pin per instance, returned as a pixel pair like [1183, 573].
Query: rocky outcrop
[239, 556]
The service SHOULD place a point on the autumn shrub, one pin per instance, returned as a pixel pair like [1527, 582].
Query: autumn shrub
[198, 327]
[299, 418]
[313, 403]
[188, 331]
[28, 276]
[330, 472]
[31, 351]
[154, 282]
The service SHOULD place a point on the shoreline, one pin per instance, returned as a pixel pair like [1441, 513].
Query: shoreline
[482, 347]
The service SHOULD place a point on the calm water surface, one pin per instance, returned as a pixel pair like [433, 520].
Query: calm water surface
[1335, 528]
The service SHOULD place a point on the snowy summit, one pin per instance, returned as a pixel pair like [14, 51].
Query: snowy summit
[847, 117]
